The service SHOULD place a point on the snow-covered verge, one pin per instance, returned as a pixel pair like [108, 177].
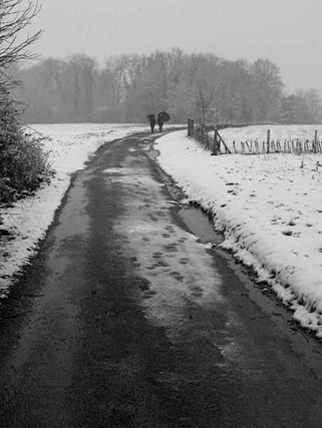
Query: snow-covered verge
[24, 224]
[269, 208]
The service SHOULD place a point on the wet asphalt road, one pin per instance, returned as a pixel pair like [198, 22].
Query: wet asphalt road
[124, 319]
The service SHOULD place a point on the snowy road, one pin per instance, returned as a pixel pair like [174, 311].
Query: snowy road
[126, 319]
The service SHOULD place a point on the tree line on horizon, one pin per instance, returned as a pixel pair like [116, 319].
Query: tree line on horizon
[130, 86]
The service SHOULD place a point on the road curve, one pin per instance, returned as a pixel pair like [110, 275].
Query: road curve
[125, 319]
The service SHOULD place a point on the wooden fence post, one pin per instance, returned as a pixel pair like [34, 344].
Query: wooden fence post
[218, 142]
[215, 148]
[190, 127]
[315, 141]
[268, 139]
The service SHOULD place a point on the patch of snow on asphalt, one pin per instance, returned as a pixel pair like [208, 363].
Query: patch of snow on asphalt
[269, 210]
[176, 267]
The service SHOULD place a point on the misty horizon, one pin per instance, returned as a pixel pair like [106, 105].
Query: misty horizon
[101, 62]
[287, 33]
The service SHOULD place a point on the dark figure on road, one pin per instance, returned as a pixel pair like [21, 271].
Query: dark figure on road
[163, 116]
[152, 121]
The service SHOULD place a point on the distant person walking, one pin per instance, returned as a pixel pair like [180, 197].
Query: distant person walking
[152, 121]
[163, 117]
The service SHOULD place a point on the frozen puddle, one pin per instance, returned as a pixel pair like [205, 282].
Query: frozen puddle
[174, 263]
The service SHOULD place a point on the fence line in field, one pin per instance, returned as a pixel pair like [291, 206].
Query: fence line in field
[296, 146]
[211, 140]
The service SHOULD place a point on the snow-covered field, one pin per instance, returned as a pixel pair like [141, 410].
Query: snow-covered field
[69, 148]
[269, 208]
[278, 132]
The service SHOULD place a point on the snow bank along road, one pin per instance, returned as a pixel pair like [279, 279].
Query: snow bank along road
[126, 319]
[268, 208]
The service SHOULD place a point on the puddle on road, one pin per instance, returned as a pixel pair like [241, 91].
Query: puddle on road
[200, 225]
[74, 220]
[153, 154]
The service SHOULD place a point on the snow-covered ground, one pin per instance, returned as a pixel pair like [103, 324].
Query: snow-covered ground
[279, 133]
[69, 147]
[269, 208]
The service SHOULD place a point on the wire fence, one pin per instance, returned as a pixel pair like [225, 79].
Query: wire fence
[211, 139]
[295, 146]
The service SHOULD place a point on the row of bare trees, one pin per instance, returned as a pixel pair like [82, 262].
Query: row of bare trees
[129, 86]
[58, 90]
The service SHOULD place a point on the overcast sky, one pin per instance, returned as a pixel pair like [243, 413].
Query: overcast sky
[288, 32]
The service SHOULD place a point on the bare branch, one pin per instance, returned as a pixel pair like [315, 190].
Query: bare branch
[15, 16]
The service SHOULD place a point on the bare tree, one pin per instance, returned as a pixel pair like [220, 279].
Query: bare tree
[15, 17]
[267, 90]
[204, 102]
